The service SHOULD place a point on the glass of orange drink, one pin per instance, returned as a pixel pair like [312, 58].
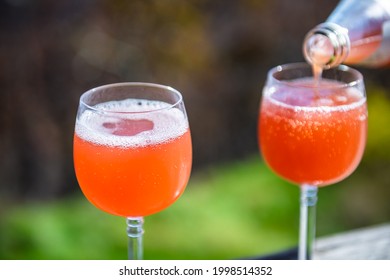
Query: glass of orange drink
[132, 152]
[312, 132]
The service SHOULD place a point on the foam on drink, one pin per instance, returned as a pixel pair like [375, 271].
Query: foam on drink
[131, 123]
[333, 96]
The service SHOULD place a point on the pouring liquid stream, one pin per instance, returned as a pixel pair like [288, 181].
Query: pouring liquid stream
[317, 74]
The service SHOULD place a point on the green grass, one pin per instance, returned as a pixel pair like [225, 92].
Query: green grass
[231, 211]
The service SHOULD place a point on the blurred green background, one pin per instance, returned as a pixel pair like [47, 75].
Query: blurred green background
[217, 54]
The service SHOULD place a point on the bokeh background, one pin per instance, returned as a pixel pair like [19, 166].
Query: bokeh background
[217, 54]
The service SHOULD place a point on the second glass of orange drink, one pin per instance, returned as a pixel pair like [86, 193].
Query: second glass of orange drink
[312, 132]
[132, 151]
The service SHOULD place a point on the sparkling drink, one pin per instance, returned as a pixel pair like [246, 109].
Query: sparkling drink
[132, 165]
[312, 132]
[314, 137]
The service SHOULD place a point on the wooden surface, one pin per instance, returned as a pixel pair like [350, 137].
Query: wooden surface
[371, 243]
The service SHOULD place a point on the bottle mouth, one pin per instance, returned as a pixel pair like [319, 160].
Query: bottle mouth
[327, 45]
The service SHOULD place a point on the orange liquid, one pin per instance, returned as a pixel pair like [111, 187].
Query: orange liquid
[135, 180]
[309, 143]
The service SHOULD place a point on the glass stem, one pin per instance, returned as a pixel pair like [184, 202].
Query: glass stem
[307, 221]
[135, 233]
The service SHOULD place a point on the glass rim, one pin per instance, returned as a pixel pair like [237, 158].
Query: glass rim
[303, 65]
[131, 84]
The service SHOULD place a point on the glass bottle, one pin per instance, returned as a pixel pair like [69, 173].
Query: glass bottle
[356, 32]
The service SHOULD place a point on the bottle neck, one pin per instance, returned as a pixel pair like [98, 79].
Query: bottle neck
[326, 45]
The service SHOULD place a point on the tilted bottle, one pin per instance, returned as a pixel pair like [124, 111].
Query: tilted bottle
[356, 32]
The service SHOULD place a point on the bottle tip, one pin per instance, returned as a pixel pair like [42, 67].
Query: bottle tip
[318, 49]
[326, 46]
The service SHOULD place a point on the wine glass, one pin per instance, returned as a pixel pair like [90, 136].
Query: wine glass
[312, 132]
[132, 151]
